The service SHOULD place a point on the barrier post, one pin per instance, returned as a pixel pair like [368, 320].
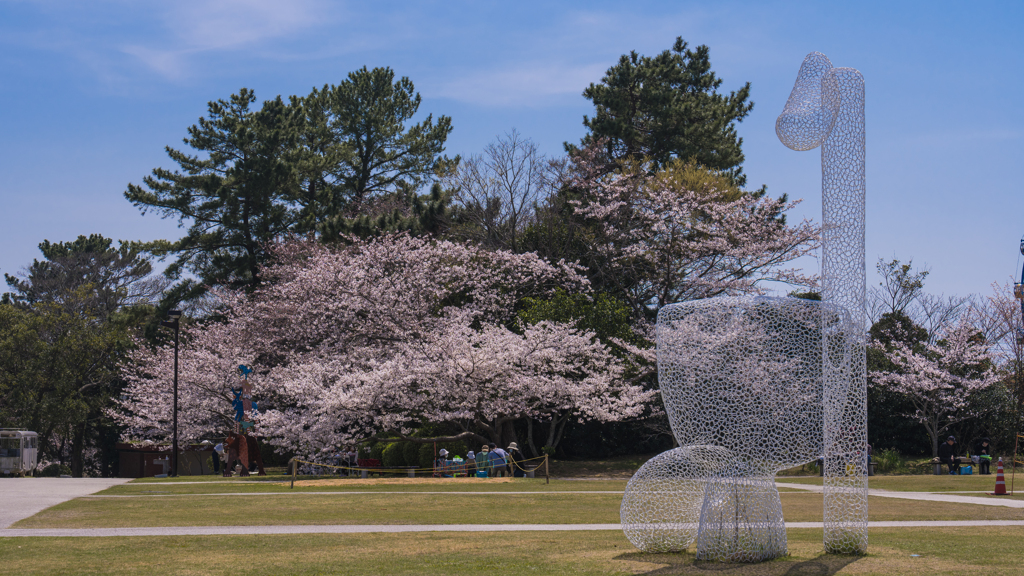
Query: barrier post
[547, 476]
[295, 468]
[1013, 462]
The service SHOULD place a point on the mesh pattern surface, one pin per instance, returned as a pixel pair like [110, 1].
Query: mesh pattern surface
[754, 385]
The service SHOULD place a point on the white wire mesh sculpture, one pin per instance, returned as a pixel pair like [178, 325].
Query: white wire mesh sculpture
[755, 385]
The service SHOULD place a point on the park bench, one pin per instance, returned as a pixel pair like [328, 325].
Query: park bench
[938, 464]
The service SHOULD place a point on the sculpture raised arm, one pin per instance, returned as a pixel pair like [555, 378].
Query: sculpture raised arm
[826, 109]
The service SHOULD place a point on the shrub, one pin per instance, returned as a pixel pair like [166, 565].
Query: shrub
[377, 450]
[54, 470]
[393, 455]
[425, 456]
[411, 453]
[888, 460]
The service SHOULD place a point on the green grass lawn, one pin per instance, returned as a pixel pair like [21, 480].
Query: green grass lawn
[163, 503]
[990, 551]
[414, 507]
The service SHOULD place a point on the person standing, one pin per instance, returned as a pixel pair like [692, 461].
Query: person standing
[515, 461]
[947, 455]
[499, 460]
[218, 455]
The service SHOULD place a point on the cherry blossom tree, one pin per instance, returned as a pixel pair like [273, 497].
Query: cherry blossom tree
[940, 379]
[383, 335]
[684, 233]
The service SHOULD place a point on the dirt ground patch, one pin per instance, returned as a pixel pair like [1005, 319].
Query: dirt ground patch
[393, 481]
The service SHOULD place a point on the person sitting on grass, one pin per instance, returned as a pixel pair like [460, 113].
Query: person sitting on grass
[483, 460]
[441, 465]
[983, 451]
[947, 455]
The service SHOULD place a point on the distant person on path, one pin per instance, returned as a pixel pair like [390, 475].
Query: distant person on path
[947, 455]
[515, 461]
[983, 451]
[499, 460]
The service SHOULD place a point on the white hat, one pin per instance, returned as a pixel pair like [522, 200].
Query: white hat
[443, 452]
[471, 455]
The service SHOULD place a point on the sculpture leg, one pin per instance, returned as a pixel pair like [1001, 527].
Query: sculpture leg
[741, 519]
[243, 454]
[256, 456]
[846, 465]
[232, 456]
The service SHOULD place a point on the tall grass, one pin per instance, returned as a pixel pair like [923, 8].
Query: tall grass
[888, 460]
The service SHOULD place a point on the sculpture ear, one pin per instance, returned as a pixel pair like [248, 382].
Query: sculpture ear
[806, 121]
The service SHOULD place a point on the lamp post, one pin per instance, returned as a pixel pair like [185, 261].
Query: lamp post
[172, 322]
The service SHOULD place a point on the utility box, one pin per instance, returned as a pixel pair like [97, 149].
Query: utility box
[18, 451]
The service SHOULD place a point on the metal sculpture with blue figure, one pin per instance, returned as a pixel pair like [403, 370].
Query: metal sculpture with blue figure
[240, 445]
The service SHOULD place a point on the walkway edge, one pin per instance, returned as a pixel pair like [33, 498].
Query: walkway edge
[365, 529]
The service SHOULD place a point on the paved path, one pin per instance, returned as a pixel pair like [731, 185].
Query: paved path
[363, 529]
[926, 496]
[23, 497]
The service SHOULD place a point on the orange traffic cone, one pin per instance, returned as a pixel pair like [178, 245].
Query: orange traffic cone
[1000, 480]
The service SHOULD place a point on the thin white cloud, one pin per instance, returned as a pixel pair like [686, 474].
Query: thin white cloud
[520, 85]
[229, 24]
[196, 27]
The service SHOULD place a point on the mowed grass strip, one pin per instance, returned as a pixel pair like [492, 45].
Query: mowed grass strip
[940, 551]
[459, 485]
[394, 508]
[411, 508]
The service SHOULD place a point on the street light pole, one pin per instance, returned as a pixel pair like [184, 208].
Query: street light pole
[172, 322]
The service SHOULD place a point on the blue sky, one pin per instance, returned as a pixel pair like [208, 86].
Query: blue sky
[90, 93]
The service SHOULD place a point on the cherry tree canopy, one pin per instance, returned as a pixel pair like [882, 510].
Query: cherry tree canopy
[940, 379]
[684, 233]
[382, 335]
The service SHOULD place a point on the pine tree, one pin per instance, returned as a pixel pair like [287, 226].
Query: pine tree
[234, 194]
[667, 106]
[358, 144]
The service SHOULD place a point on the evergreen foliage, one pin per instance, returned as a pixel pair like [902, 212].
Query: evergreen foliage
[668, 106]
[233, 195]
[64, 330]
[359, 143]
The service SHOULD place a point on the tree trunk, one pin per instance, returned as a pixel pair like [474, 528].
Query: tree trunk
[556, 429]
[529, 438]
[77, 451]
[507, 432]
[934, 433]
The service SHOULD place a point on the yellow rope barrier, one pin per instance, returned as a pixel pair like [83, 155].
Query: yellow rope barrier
[392, 469]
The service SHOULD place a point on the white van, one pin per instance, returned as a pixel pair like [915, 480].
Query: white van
[18, 451]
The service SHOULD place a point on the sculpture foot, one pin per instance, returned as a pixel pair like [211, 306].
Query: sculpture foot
[741, 520]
